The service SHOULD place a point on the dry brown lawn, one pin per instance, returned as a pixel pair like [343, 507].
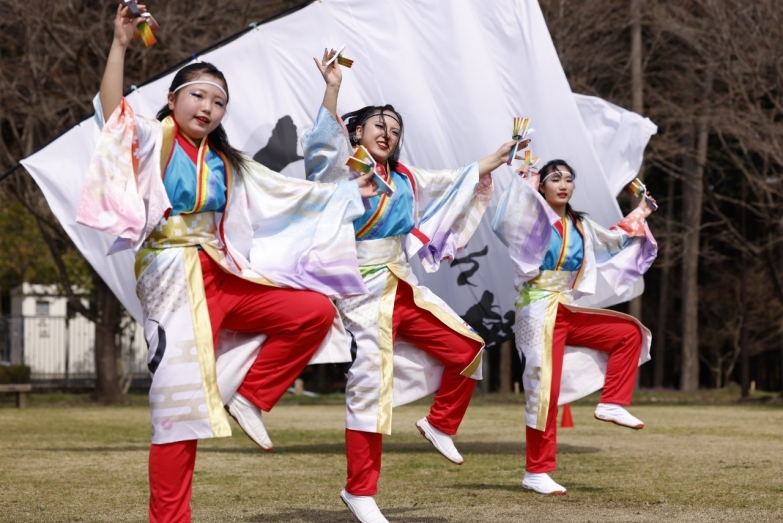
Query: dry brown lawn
[690, 463]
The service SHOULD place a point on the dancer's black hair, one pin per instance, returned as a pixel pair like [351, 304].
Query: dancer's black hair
[552, 166]
[359, 118]
[218, 139]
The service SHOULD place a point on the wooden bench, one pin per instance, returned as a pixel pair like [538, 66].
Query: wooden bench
[21, 390]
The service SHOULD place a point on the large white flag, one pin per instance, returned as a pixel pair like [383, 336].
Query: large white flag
[457, 70]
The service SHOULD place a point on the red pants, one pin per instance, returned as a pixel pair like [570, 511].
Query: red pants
[454, 351]
[296, 323]
[620, 337]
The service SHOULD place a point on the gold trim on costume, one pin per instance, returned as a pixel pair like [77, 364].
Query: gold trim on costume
[473, 365]
[169, 128]
[386, 351]
[444, 317]
[205, 349]
[545, 383]
[559, 285]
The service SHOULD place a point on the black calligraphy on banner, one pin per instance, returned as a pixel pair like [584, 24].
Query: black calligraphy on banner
[464, 275]
[485, 316]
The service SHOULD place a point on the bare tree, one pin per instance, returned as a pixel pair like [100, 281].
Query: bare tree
[52, 56]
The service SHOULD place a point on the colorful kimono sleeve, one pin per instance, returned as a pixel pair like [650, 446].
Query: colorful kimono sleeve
[448, 208]
[296, 233]
[123, 194]
[523, 222]
[624, 252]
[326, 149]
[448, 204]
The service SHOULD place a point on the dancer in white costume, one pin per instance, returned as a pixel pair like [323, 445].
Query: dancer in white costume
[409, 342]
[229, 254]
[559, 255]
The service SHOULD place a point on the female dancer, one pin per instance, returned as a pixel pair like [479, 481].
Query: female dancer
[222, 243]
[570, 351]
[409, 342]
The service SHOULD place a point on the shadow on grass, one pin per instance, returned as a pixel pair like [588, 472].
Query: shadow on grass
[466, 447]
[340, 516]
[517, 487]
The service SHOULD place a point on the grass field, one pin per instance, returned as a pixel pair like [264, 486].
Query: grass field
[81, 463]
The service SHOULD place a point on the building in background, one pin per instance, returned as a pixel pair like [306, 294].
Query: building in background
[56, 344]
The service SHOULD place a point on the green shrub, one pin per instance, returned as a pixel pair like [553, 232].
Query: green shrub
[14, 374]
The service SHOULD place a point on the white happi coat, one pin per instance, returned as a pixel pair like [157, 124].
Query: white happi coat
[274, 231]
[447, 208]
[613, 258]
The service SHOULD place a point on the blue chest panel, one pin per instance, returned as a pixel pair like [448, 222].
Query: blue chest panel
[397, 214]
[574, 253]
[182, 185]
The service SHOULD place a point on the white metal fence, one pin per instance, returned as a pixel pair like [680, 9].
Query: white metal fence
[60, 348]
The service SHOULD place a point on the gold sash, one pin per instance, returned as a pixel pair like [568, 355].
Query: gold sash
[555, 287]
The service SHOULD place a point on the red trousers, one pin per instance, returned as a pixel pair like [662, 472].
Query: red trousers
[620, 337]
[454, 351]
[296, 323]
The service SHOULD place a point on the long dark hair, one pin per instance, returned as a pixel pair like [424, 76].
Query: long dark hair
[359, 118]
[550, 167]
[218, 139]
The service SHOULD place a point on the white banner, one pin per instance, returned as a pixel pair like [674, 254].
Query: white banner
[458, 71]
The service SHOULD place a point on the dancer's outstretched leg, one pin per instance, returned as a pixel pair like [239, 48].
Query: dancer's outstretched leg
[455, 352]
[296, 323]
[622, 339]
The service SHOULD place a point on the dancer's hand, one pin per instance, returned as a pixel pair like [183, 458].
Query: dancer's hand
[645, 207]
[367, 186]
[333, 77]
[125, 24]
[522, 146]
[498, 158]
[533, 178]
[332, 74]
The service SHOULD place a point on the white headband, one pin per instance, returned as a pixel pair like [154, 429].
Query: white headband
[203, 82]
[557, 172]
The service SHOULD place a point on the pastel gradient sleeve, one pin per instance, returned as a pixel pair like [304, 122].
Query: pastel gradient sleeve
[296, 233]
[123, 193]
[448, 207]
[624, 252]
[523, 221]
[326, 149]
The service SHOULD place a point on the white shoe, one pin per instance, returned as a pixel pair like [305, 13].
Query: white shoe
[249, 418]
[542, 484]
[618, 415]
[441, 441]
[363, 508]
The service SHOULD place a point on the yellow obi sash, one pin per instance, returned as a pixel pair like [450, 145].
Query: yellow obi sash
[380, 252]
[555, 281]
[183, 230]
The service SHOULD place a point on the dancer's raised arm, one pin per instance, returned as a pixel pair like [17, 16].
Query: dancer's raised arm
[113, 75]
[333, 77]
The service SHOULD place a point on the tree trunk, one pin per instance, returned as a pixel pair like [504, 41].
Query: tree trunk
[107, 381]
[505, 367]
[744, 350]
[637, 106]
[659, 369]
[692, 195]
